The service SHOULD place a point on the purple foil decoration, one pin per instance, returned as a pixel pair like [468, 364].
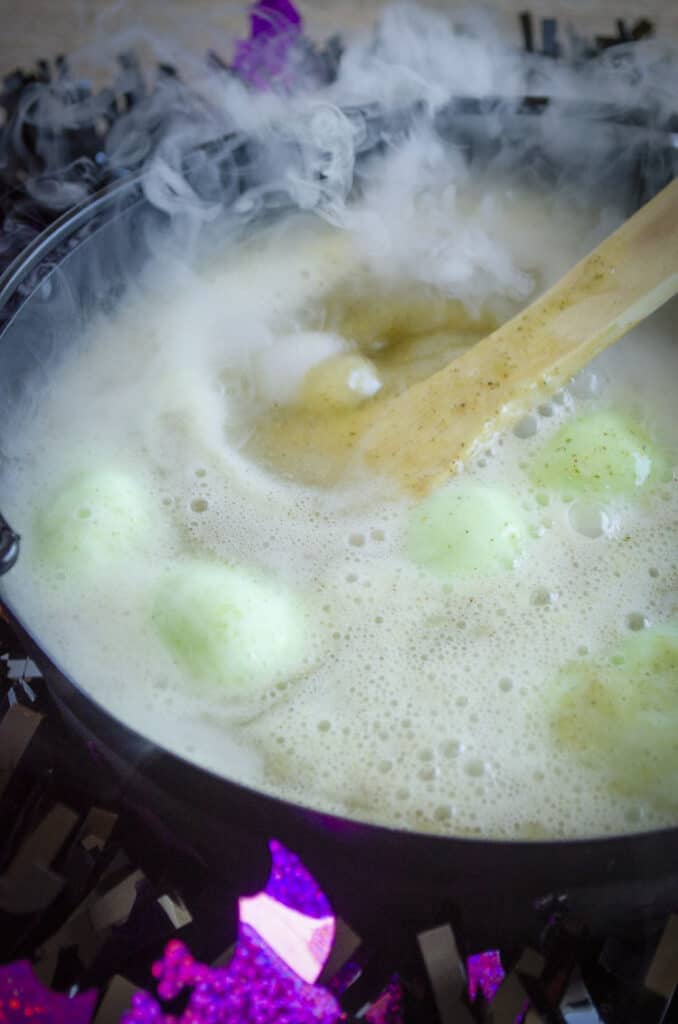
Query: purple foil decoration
[388, 1008]
[263, 60]
[292, 915]
[284, 938]
[272, 17]
[254, 988]
[292, 885]
[485, 974]
[25, 1000]
[346, 976]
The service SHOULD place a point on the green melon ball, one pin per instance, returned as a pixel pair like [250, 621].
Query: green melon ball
[466, 528]
[601, 453]
[92, 520]
[619, 714]
[231, 627]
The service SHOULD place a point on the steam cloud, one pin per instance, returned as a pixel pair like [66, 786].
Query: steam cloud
[210, 144]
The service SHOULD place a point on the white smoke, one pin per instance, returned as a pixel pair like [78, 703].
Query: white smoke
[214, 150]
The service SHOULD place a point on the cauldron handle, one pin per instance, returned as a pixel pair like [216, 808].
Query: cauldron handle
[9, 546]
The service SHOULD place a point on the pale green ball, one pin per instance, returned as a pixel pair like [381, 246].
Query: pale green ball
[466, 528]
[93, 520]
[618, 714]
[601, 453]
[231, 627]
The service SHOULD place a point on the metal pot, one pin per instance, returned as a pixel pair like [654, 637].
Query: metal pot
[497, 890]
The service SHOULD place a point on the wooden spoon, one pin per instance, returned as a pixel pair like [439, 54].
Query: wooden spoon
[423, 436]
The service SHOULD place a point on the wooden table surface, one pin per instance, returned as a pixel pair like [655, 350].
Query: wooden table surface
[98, 29]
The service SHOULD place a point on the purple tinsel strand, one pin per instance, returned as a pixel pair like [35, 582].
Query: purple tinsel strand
[263, 60]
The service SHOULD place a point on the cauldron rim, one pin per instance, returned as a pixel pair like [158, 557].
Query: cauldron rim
[614, 857]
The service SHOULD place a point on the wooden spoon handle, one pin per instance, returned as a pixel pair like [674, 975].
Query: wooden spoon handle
[423, 436]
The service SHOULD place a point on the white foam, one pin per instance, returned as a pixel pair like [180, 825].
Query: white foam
[425, 706]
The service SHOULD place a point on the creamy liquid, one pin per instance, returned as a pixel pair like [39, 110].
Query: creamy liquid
[424, 699]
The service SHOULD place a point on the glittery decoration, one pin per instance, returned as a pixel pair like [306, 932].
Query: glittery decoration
[485, 975]
[272, 17]
[284, 938]
[302, 942]
[388, 1008]
[254, 988]
[292, 915]
[346, 976]
[264, 59]
[24, 999]
[292, 885]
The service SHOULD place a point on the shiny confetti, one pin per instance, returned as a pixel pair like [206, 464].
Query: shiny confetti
[255, 988]
[24, 1000]
[485, 974]
[388, 1008]
[263, 60]
[285, 935]
[292, 885]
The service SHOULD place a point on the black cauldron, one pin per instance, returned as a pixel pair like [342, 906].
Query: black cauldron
[497, 891]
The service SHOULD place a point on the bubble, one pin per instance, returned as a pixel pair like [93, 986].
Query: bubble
[545, 409]
[199, 505]
[589, 519]
[526, 427]
[637, 621]
[475, 768]
[543, 597]
[505, 684]
[357, 540]
[451, 748]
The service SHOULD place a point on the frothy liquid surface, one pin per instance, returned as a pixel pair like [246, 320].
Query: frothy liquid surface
[362, 665]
